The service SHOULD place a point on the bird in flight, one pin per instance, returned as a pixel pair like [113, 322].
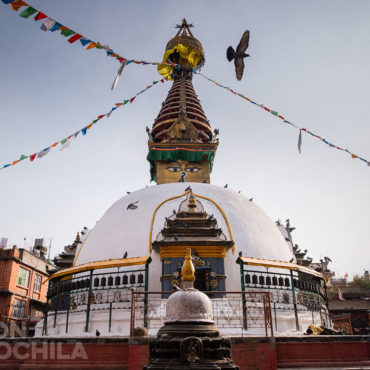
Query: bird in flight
[239, 55]
[133, 205]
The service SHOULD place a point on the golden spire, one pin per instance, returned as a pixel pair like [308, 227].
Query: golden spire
[188, 270]
[192, 203]
[181, 143]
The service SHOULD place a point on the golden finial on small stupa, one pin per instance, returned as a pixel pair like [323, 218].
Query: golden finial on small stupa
[192, 203]
[188, 270]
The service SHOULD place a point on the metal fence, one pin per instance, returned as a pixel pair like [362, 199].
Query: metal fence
[242, 310]
[235, 310]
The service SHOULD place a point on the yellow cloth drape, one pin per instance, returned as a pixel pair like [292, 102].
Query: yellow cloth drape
[193, 56]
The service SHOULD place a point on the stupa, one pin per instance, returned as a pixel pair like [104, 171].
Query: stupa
[189, 339]
[141, 240]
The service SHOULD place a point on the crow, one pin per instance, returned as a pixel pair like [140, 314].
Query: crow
[125, 255]
[97, 333]
[239, 55]
[225, 186]
[251, 199]
[188, 188]
[210, 217]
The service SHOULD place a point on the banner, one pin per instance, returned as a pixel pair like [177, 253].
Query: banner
[64, 143]
[275, 113]
[49, 24]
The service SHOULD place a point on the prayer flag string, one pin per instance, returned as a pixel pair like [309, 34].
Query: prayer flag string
[49, 24]
[64, 143]
[275, 113]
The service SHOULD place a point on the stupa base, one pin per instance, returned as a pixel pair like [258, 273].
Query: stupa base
[190, 346]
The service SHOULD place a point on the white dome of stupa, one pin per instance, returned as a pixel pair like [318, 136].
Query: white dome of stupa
[122, 229]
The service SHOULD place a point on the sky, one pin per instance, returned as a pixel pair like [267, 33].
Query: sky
[308, 60]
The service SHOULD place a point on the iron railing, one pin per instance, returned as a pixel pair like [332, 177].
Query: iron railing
[236, 310]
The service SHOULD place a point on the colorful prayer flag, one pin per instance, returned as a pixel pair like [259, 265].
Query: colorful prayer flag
[40, 16]
[92, 45]
[84, 41]
[43, 152]
[28, 12]
[66, 143]
[118, 75]
[67, 32]
[48, 23]
[55, 27]
[74, 38]
[16, 5]
[32, 157]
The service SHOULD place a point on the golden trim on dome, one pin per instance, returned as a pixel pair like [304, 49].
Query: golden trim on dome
[279, 264]
[79, 251]
[199, 196]
[133, 261]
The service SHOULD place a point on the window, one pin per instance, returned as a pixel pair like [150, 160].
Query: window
[37, 284]
[18, 308]
[23, 276]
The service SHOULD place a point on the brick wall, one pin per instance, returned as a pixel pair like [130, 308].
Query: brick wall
[249, 352]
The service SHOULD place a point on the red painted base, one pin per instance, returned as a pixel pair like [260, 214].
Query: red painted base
[123, 353]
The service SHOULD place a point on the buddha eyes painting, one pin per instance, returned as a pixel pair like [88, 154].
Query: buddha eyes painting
[181, 171]
[184, 166]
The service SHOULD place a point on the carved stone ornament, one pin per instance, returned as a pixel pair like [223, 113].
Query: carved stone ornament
[191, 350]
[182, 129]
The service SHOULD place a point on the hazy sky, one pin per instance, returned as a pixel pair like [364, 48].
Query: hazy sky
[309, 61]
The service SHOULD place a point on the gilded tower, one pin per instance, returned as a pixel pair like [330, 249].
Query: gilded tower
[181, 144]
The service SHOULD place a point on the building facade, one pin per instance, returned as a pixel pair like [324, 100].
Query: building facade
[22, 290]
